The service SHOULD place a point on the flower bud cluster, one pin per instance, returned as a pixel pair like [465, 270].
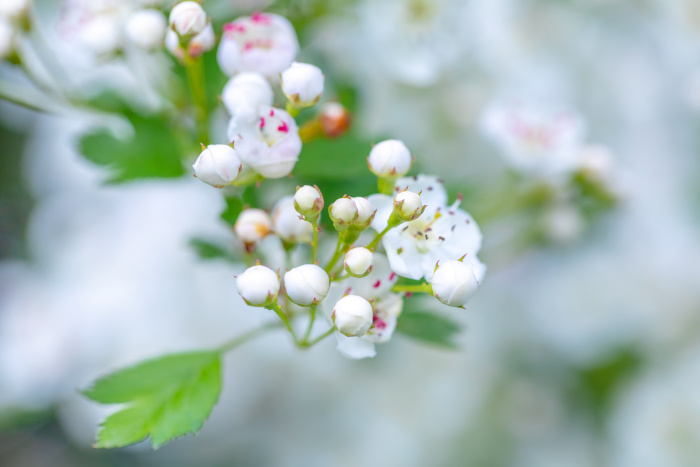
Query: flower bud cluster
[351, 213]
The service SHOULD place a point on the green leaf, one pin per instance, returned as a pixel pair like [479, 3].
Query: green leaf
[167, 397]
[153, 151]
[429, 328]
[234, 206]
[208, 250]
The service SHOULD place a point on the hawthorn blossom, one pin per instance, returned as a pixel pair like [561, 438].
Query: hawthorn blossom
[264, 43]
[270, 147]
[196, 46]
[245, 94]
[535, 140]
[443, 232]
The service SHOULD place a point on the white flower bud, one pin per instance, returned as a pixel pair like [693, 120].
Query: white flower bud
[454, 283]
[306, 285]
[353, 316]
[408, 205]
[308, 201]
[365, 212]
[343, 212]
[245, 94]
[15, 10]
[188, 19]
[7, 39]
[390, 158]
[146, 29]
[287, 224]
[258, 285]
[359, 261]
[252, 226]
[199, 44]
[302, 84]
[218, 165]
[102, 34]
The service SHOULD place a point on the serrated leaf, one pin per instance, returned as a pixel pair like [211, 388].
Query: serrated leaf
[429, 328]
[166, 398]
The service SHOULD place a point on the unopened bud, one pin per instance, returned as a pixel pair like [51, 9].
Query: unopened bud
[359, 261]
[334, 119]
[454, 283]
[390, 158]
[188, 19]
[353, 316]
[306, 285]
[218, 165]
[302, 84]
[252, 226]
[258, 285]
[308, 201]
[146, 29]
[288, 225]
[408, 205]
[365, 213]
[343, 212]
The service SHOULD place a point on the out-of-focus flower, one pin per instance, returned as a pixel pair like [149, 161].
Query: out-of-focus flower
[306, 285]
[563, 223]
[443, 232]
[302, 84]
[454, 283]
[245, 94]
[596, 161]
[390, 158]
[101, 34]
[15, 10]
[7, 39]
[264, 43]
[188, 19]
[308, 201]
[358, 261]
[252, 226]
[146, 29]
[334, 119]
[258, 285]
[352, 316]
[218, 165]
[202, 42]
[287, 224]
[271, 146]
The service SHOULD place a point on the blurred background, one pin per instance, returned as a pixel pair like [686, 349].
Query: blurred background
[581, 348]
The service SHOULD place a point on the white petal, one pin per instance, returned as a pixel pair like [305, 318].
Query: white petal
[354, 347]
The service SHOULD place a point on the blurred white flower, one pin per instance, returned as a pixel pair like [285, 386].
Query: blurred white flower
[146, 29]
[245, 94]
[252, 226]
[188, 19]
[263, 43]
[202, 42]
[287, 223]
[390, 158]
[7, 39]
[101, 34]
[15, 10]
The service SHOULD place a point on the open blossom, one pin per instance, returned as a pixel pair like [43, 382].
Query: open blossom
[271, 146]
[264, 43]
[536, 140]
[287, 223]
[245, 94]
[302, 84]
[443, 232]
[202, 42]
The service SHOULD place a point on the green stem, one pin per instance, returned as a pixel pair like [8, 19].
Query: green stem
[314, 244]
[292, 109]
[419, 288]
[195, 78]
[312, 318]
[373, 244]
[278, 309]
[336, 255]
[245, 337]
[321, 337]
[386, 185]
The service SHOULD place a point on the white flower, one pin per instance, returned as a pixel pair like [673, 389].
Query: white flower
[188, 19]
[252, 226]
[408, 205]
[390, 158]
[343, 212]
[7, 39]
[245, 94]
[365, 212]
[596, 161]
[306, 285]
[352, 316]
[15, 10]
[146, 29]
[454, 283]
[196, 46]
[271, 146]
[258, 285]
[287, 224]
[334, 119]
[302, 84]
[535, 139]
[218, 165]
[308, 201]
[563, 223]
[441, 233]
[358, 261]
[263, 43]
[101, 34]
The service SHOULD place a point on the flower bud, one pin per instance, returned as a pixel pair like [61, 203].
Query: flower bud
[308, 201]
[359, 261]
[353, 316]
[7, 39]
[365, 213]
[252, 226]
[258, 285]
[334, 119]
[343, 212]
[302, 84]
[146, 29]
[196, 46]
[287, 223]
[15, 10]
[188, 19]
[390, 158]
[454, 283]
[218, 165]
[245, 94]
[306, 285]
[408, 205]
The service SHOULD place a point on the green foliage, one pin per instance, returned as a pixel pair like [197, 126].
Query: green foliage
[429, 328]
[234, 206]
[166, 398]
[208, 250]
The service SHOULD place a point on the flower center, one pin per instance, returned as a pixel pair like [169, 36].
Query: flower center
[422, 234]
[272, 127]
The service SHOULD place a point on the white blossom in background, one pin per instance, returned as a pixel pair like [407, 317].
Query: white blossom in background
[535, 139]
[146, 28]
[188, 19]
[263, 43]
[302, 83]
[271, 145]
[390, 158]
[197, 45]
[443, 232]
[252, 226]
[245, 94]
[7, 39]
[15, 10]
[287, 223]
